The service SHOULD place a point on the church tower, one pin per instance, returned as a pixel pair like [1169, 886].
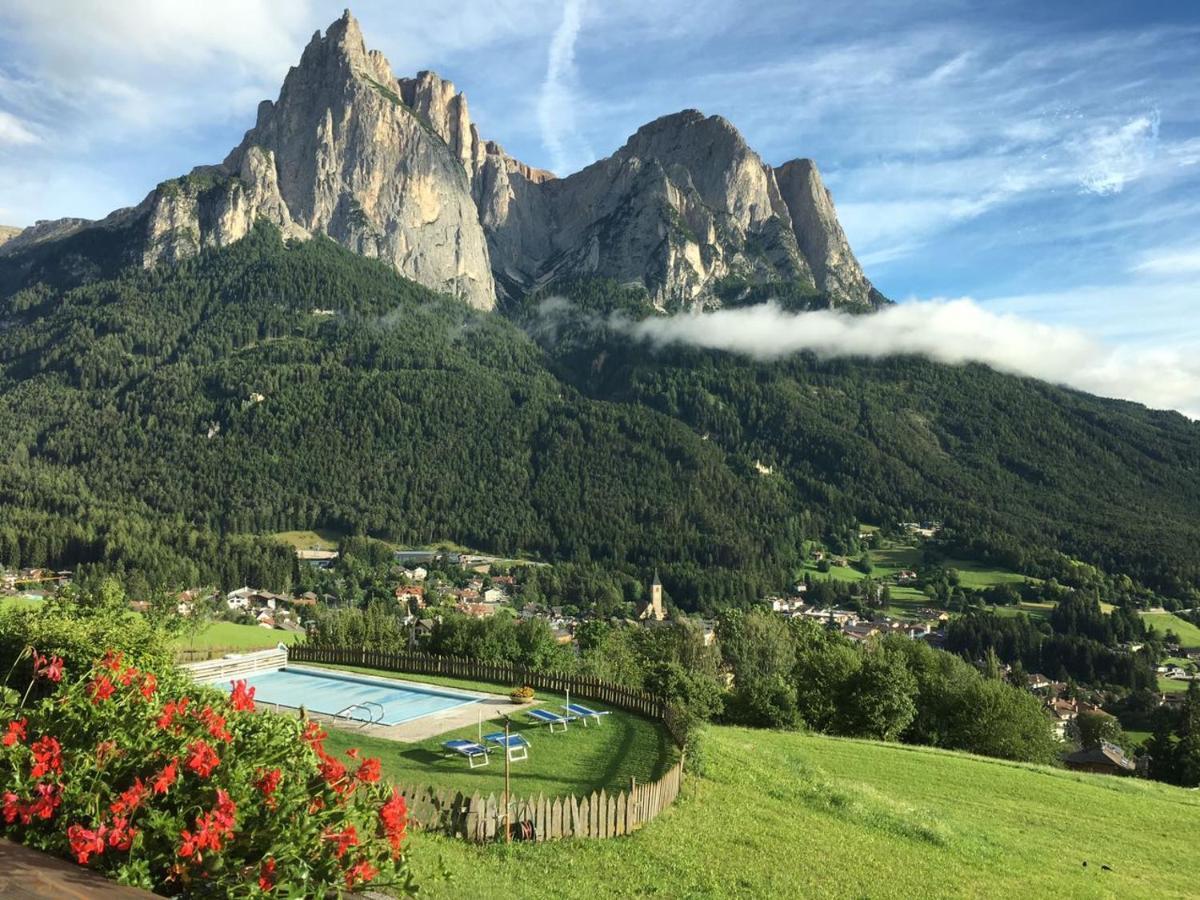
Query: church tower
[656, 607]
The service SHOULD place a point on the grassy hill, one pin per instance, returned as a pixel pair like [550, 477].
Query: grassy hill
[788, 815]
[1188, 633]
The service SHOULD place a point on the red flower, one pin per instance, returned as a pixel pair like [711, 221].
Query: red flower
[50, 668]
[48, 800]
[242, 697]
[202, 759]
[100, 689]
[316, 805]
[149, 685]
[15, 733]
[343, 840]
[85, 843]
[128, 676]
[313, 735]
[129, 799]
[12, 807]
[47, 757]
[166, 777]
[122, 834]
[369, 771]
[267, 782]
[266, 875]
[112, 660]
[333, 770]
[212, 828]
[394, 816]
[172, 709]
[360, 871]
[215, 723]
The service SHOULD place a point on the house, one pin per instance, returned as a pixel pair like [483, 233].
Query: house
[906, 576]
[477, 610]
[308, 598]
[419, 573]
[1036, 682]
[321, 559]
[860, 632]
[1102, 759]
[494, 595]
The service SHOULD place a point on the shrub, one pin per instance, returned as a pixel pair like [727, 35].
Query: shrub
[170, 786]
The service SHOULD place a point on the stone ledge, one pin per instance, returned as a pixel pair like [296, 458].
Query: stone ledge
[27, 874]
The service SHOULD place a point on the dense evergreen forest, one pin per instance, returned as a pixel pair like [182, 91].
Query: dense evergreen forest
[156, 421]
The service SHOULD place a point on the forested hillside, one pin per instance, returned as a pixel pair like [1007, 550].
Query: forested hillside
[156, 419]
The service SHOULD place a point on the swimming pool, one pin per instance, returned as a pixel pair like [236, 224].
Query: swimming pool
[333, 693]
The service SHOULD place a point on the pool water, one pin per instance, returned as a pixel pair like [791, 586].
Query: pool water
[332, 692]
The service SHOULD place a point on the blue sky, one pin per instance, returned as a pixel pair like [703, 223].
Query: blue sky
[1042, 158]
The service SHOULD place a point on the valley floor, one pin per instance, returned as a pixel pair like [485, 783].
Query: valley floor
[785, 815]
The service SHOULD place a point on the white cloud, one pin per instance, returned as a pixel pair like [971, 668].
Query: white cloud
[948, 331]
[1112, 157]
[14, 132]
[1179, 261]
[558, 103]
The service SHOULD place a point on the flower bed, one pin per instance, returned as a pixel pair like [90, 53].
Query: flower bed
[162, 784]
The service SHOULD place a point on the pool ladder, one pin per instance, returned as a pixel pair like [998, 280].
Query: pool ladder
[373, 718]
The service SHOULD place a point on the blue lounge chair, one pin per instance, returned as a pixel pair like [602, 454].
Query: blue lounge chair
[546, 717]
[476, 754]
[515, 745]
[583, 713]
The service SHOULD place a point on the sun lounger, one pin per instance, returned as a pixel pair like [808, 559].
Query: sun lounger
[583, 713]
[515, 744]
[476, 754]
[545, 717]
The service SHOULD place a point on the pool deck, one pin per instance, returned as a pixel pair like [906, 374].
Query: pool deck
[489, 706]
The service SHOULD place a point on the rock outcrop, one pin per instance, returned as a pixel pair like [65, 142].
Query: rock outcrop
[341, 154]
[395, 169]
[7, 233]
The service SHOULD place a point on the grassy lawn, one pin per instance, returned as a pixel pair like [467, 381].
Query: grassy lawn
[1188, 633]
[16, 600]
[790, 815]
[231, 636]
[577, 761]
[975, 575]
[1171, 686]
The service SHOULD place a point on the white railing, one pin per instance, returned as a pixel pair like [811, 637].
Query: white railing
[238, 665]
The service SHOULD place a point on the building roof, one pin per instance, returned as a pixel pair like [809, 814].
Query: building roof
[1104, 753]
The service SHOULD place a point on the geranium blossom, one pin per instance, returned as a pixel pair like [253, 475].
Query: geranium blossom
[394, 816]
[166, 776]
[266, 875]
[267, 782]
[86, 843]
[343, 840]
[361, 871]
[47, 757]
[242, 697]
[100, 689]
[50, 668]
[15, 732]
[202, 759]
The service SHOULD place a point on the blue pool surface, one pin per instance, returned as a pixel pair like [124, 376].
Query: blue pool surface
[332, 692]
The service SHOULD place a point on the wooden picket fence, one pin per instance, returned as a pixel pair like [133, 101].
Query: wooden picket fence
[477, 818]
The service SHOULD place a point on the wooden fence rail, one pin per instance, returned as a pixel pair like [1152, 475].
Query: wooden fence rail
[477, 818]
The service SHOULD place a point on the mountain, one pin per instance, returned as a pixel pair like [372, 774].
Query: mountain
[156, 418]
[7, 233]
[395, 169]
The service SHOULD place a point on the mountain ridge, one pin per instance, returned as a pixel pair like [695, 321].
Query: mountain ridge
[394, 168]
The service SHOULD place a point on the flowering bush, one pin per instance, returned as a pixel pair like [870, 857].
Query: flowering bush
[163, 784]
[521, 694]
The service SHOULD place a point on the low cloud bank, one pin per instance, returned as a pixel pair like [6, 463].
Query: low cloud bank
[948, 331]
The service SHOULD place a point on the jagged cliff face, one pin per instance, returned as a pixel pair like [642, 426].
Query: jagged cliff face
[395, 169]
[341, 154]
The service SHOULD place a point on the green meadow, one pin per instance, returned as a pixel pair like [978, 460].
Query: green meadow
[792, 815]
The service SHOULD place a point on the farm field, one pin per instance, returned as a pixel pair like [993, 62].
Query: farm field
[963, 825]
[1188, 633]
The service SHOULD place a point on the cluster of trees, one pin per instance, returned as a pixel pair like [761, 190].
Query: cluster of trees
[1174, 746]
[1077, 641]
[792, 673]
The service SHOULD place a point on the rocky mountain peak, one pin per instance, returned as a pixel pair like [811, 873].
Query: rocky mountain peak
[395, 169]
